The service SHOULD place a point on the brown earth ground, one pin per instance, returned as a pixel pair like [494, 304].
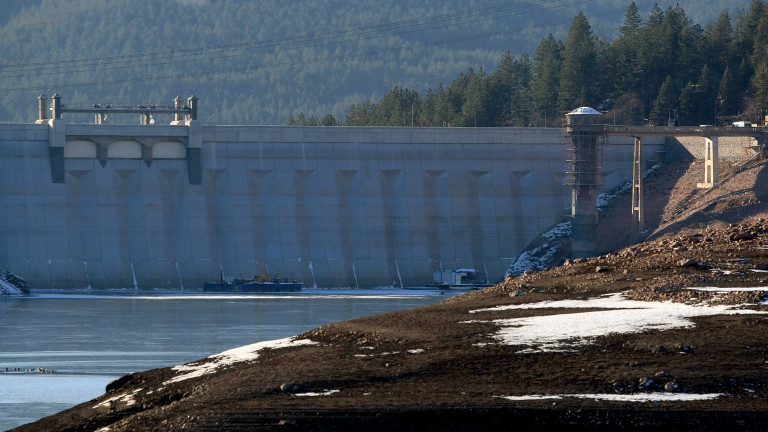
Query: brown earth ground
[436, 368]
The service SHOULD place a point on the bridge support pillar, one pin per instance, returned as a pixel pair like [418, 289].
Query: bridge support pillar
[711, 167]
[638, 225]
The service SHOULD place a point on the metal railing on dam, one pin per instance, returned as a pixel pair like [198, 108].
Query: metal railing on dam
[130, 206]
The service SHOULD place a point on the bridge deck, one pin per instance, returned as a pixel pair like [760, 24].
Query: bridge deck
[702, 131]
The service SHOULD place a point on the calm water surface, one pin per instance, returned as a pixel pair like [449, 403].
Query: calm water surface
[91, 338]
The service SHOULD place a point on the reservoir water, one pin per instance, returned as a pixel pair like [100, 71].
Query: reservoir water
[89, 338]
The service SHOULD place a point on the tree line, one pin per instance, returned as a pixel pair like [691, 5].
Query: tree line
[658, 70]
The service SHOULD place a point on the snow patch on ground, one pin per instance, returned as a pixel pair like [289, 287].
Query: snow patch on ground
[727, 290]
[315, 394]
[539, 258]
[615, 315]
[637, 397]
[411, 351]
[230, 357]
[127, 399]
[7, 288]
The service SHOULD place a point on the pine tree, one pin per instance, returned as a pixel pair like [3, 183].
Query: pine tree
[624, 52]
[578, 74]
[720, 44]
[707, 97]
[688, 114]
[503, 86]
[665, 102]
[329, 120]
[760, 90]
[546, 78]
[521, 99]
[727, 95]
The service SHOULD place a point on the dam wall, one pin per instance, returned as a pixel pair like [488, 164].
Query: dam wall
[150, 206]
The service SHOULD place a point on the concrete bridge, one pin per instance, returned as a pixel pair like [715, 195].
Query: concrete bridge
[172, 206]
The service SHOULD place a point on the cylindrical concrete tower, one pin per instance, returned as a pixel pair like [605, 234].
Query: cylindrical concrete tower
[585, 134]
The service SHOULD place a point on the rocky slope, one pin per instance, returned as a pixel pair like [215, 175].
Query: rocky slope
[12, 285]
[671, 333]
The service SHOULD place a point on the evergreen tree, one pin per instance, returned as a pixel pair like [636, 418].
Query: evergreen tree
[760, 35]
[649, 60]
[760, 90]
[476, 112]
[546, 79]
[744, 74]
[521, 99]
[399, 107]
[665, 104]
[360, 115]
[503, 87]
[578, 74]
[624, 52]
[329, 120]
[689, 114]
[707, 97]
[748, 27]
[627, 110]
[719, 46]
[727, 95]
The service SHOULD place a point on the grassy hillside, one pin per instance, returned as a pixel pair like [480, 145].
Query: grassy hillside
[260, 62]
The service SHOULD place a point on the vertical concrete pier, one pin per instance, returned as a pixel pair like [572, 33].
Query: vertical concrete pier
[638, 225]
[585, 135]
[711, 167]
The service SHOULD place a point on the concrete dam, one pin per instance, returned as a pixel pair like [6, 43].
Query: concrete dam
[174, 206]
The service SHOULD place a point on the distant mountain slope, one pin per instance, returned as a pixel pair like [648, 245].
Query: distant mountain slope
[259, 62]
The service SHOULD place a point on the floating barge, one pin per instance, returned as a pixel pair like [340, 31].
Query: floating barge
[241, 285]
[461, 279]
[258, 284]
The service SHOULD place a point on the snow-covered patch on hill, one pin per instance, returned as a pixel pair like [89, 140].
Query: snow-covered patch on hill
[12, 285]
[635, 397]
[228, 358]
[539, 257]
[552, 241]
[615, 314]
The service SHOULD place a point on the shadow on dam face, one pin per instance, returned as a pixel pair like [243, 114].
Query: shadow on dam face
[331, 206]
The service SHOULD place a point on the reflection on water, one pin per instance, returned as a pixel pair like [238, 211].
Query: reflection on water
[90, 338]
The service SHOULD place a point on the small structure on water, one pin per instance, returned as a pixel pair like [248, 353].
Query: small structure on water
[260, 283]
[459, 279]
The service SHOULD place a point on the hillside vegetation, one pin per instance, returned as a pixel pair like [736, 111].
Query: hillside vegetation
[661, 69]
[261, 62]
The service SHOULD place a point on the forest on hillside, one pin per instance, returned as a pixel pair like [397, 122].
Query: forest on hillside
[661, 69]
[270, 61]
